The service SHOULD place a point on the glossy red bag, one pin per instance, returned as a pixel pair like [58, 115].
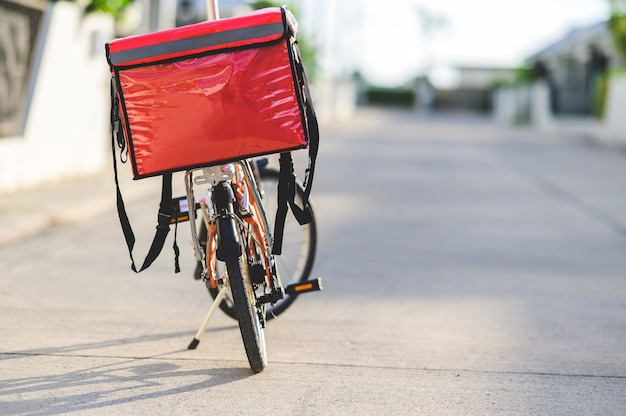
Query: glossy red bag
[210, 93]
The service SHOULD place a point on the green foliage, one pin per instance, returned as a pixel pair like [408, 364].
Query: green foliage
[261, 4]
[599, 95]
[111, 7]
[618, 6]
[617, 25]
[524, 75]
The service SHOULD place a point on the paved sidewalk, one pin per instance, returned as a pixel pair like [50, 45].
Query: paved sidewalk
[469, 269]
[26, 212]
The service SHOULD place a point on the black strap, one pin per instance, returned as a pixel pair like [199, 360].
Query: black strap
[287, 178]
[176, 250]
[116, 123]
[312, 127]
[286, 196]
[165, 206]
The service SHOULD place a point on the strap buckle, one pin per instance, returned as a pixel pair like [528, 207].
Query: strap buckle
[164, 220]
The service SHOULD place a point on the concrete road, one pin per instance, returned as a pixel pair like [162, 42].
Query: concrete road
[468, 270]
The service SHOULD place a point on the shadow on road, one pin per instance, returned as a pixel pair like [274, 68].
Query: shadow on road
[103, 344]
[120, 380]
[109, 385]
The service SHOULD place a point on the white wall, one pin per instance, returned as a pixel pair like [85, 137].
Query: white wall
[67, 126]
[513, 104]
[615, 116]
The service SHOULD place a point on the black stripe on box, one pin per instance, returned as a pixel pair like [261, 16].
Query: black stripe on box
[182, 45]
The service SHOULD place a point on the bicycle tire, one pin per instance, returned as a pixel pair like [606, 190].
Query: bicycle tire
[296, 239]
[244, 299]
[250, 325]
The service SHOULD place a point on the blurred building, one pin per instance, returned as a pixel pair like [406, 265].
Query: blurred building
[54, 92]
[579, 84]
[472, 89]
[573, 66]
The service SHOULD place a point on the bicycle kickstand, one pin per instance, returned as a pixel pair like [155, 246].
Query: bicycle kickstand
[216, 303]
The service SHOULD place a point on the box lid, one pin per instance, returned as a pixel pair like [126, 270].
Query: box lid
[262, 26]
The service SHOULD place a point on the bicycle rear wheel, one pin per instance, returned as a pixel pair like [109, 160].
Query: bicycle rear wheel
[295, 264]
[244, 305]
[234, 239]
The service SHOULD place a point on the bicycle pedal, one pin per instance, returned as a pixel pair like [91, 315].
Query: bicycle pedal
[180, 209]
[273, 297]
[304, 287]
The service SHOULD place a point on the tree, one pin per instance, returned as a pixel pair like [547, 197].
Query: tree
[617, 25]
[261, 4]
[114, 8]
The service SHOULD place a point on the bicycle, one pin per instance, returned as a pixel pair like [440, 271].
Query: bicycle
[295, 264]
[234, 257]
[157, 78]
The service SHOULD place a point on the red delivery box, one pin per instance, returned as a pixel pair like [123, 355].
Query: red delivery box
[210, 93]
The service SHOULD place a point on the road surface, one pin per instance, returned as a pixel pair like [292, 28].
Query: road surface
[468, 269]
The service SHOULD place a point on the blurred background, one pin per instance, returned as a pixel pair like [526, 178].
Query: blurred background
[548, 64]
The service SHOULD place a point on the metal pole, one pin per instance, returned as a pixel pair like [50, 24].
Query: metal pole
[213, 9]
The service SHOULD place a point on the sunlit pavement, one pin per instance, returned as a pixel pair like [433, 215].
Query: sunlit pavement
[468, 269]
